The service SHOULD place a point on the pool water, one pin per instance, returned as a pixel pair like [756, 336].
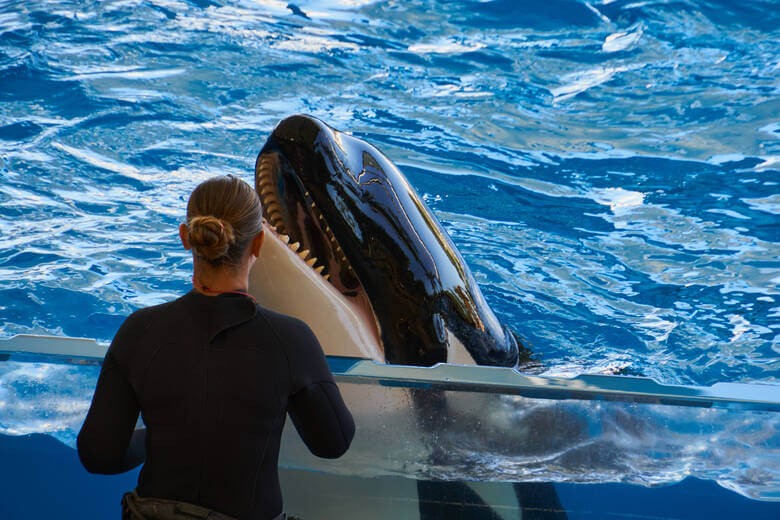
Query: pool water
[610, 170]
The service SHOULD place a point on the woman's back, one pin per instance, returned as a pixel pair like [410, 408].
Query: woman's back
[215, 377]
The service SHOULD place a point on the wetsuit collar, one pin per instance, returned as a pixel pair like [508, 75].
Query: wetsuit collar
[217, 313]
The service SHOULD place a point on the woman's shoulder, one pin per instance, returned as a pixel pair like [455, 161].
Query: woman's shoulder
[146, 316]
[282, 323]
[305, 358]
[141, 321]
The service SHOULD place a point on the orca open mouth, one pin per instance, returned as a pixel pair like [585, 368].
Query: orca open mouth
[346, 214]
[294, 216]
[338, 307]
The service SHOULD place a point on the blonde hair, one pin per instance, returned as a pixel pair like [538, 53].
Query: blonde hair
[223, 216]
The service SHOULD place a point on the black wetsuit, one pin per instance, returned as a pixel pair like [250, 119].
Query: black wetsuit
[214, 378]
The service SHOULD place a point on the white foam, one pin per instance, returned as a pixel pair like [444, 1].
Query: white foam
[728, 213]
[580, 81]
[770, 204]
[133, 73]
[101, 161]
[444, 47]
[725, 158]
[623, 40]
[620, 201]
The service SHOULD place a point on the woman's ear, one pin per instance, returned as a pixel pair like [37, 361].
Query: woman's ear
[257, 243]
[185, 236]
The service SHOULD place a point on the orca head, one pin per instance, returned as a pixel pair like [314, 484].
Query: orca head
[352, 217]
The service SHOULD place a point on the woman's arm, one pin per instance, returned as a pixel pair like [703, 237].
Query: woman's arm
[316, 406]
[322, 419]
[104, 442]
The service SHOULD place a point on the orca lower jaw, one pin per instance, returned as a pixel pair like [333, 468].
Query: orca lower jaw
[281, 281]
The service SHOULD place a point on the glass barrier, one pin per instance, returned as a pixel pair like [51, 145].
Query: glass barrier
[433, 434]
[455, 422]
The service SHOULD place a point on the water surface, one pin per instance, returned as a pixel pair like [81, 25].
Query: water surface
[609, 170]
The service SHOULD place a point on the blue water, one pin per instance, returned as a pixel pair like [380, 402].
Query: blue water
[610, 171]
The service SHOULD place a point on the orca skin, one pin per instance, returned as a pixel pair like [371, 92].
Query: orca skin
[351, 208]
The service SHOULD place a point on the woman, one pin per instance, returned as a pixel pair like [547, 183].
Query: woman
[213, 375]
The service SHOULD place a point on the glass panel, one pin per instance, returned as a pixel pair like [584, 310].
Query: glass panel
[433, 434]
[427, 432]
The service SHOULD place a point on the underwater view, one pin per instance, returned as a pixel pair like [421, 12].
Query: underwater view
[609, 170]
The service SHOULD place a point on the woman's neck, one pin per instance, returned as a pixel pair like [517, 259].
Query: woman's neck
[212, 281]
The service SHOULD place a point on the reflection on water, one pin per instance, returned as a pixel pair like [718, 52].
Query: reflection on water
[609, 169]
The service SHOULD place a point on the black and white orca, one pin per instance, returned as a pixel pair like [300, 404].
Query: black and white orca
[353, 251]
[368, 265]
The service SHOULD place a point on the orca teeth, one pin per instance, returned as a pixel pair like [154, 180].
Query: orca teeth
[268, 198]
[273, 210]
[276, 218]
[265, 166]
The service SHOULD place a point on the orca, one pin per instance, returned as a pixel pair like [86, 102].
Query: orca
[354, 251]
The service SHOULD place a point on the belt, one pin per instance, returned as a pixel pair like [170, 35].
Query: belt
[135, 507]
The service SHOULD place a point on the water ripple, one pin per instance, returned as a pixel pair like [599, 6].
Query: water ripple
[609, 169]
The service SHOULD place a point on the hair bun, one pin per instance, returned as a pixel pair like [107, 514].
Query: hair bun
[210, 237]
